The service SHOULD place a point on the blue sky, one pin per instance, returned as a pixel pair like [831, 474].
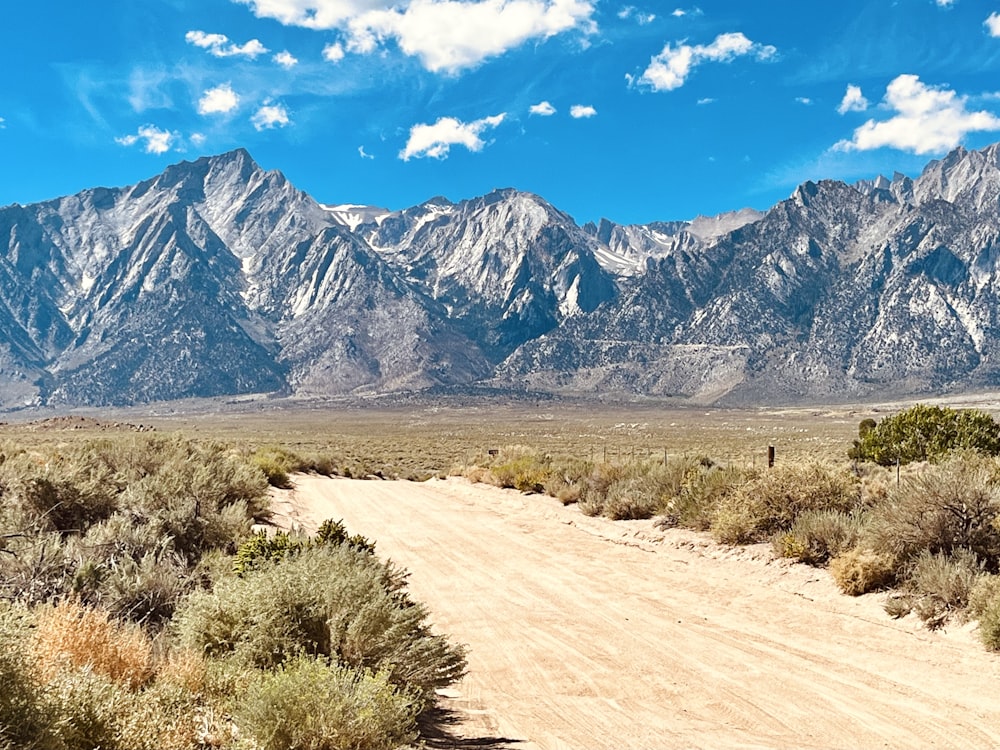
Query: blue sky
[634, 110]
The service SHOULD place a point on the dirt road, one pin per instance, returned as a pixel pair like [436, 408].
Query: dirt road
[587, 633]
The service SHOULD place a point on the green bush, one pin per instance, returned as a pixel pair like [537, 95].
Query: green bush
[927, 433]
[770, 501]
[697, 503]
[309, 704]
[337, 602]
[818, 535]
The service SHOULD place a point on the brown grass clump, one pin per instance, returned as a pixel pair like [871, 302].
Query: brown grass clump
[859, 571]
[69, 634]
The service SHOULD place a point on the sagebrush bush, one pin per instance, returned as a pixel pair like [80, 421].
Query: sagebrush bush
[695, 506]
[770, 501]
[937, 587]
[945, 508]
[25, 719]
[984, 605]
[309, 704]
[818, 535]
[926, 433]
[860, 571]
[334, 601]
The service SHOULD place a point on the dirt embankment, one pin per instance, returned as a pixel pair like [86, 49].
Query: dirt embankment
[587, 633]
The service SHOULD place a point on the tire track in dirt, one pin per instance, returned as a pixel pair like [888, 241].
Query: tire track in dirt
[585, 633]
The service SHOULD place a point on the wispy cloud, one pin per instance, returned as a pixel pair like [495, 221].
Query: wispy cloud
[269, 116]
[219, 45]
[436, 140]
[445, 35]
[630, 11]
[153, 139]
[928, 119]
[545, 109]
[853, 101]
[670, 69]
[219, 100]
[804, 100]
[364, 154]
[581, 111]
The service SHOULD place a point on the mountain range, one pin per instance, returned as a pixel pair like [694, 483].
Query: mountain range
[218, 278]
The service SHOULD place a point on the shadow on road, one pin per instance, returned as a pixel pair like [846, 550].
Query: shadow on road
[437, 730]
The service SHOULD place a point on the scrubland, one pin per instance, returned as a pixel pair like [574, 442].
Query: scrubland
[144, 607]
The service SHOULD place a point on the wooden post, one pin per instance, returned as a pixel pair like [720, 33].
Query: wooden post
[770, 456]
[897, 471]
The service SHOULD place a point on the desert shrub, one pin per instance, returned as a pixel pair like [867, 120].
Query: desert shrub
[522, 470]
[860, 571]
[262, 548]
[276, 463]
[770, 501]
[25, 721]
[632, 499]
[88, 708]
[69, 635]
[927, 433]
[937, 587]
[310, 704]
[984, 605]
[335, 601]
[948, 507]
[818, 535]
[695, 506]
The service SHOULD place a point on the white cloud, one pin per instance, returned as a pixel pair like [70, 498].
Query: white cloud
[945, 3]
[437, 139]
[219, 45]
[446, 35]
[928, 119]
[669, 69]
[706, 100]
[3, 123]
[578, 111]
[992, 24]
[542, 108]
[804, 100]
[333, 52]
[853, 101]
[220, 100]
[154, 140]
[680, 12]
[197, 139]
[364, 154]
[286, 59]
[270, 116]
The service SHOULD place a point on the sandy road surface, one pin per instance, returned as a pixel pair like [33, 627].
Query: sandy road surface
[585, 633]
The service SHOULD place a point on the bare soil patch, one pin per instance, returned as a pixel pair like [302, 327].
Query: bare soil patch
[588, 633]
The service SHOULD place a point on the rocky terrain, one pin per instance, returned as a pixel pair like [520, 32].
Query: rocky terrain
[218, 278]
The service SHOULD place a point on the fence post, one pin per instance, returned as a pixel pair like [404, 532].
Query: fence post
[770, 456]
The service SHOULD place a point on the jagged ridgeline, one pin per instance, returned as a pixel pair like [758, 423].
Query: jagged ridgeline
[219, 278]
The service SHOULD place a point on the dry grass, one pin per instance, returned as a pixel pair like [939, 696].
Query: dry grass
[68, 634]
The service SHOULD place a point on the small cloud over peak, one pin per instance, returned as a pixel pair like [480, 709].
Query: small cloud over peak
[218, 45]
[436, 140]
[670, 69]
[581, 111]
[928, 119]
[545, 109]
[153, 139]
[269, 116]
[286, 59]
[853, 101]
[218, 101]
